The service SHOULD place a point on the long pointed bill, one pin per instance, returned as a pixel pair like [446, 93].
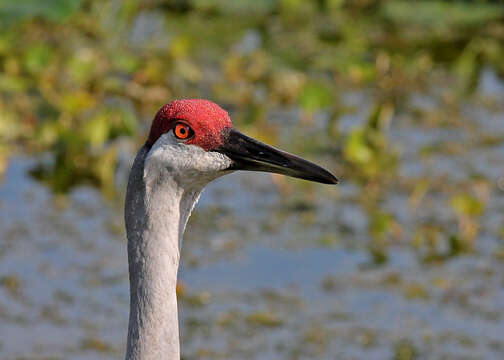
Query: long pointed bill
[251, 154]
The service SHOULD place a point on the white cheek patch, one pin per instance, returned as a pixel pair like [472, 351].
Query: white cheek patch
[165, 139]
[186, 164]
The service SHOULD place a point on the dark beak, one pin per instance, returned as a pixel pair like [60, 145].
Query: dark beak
[250, 154]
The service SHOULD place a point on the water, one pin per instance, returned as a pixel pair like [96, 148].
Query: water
[258, 281]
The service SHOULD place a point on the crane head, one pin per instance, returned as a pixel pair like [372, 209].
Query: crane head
[196, 141]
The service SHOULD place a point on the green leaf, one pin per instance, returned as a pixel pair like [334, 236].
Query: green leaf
[97, 130]
[12, 83]
[441, 13]
[314, 96]
[356, 148]
[235, 7]
[54, 10]
[37, 57]
[467, 205]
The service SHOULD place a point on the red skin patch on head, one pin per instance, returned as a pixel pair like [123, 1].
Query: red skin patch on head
[206, 118]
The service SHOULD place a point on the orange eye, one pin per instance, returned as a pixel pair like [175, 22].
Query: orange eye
[183, 131]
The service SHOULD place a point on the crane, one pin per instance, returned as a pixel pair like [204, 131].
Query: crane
[191, 142]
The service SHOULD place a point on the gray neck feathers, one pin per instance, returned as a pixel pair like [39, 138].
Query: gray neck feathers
[156, 212]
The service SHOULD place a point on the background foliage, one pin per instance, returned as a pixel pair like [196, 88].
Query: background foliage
[399, 98]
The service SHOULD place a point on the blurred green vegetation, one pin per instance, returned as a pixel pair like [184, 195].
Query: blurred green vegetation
[77, 77]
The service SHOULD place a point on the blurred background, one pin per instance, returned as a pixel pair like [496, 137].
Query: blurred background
[402, 100]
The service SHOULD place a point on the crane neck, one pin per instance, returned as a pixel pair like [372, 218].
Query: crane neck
[156, 212]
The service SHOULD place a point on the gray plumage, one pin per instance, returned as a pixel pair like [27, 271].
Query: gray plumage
[164, 185]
